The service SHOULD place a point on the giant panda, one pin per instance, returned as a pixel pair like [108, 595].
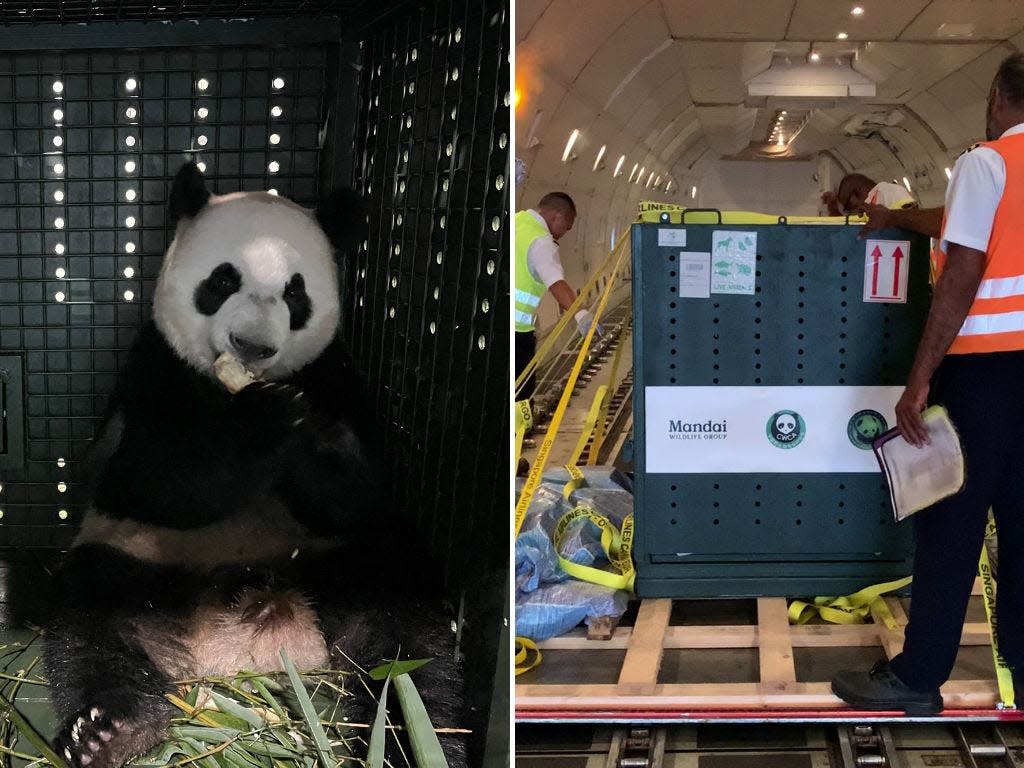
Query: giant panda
[224, 525]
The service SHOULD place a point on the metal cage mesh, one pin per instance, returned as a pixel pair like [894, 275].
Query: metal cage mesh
[89, 141]
[428, 317]
[84, 11]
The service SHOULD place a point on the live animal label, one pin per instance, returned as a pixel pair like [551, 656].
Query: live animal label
[886, 266]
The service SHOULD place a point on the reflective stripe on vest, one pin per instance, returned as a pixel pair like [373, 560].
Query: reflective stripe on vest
[529, 290]
[995, 322]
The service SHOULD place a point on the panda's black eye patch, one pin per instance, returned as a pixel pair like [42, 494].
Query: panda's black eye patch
[211, 294]
[299, 306]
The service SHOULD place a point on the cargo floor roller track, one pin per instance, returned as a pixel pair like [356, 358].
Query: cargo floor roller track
[736, 661]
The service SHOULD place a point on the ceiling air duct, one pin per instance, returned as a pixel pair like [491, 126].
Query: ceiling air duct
[829, 78]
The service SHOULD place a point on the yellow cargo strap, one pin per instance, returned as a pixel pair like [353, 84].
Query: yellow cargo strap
[549, 342]
[576, 478]
[1003, 675]
[536, 471]
[602, 422]
[649, 205]
[524, 420]
[524, 646]
[617, 546]
[851, 609]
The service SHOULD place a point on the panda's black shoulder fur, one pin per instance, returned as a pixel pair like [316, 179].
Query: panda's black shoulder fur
[187, 452]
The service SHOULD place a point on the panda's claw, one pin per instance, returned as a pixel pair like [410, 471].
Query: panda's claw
[67, 754]
[94, 714]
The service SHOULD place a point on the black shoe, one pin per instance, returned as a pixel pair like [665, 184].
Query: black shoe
[880, 689]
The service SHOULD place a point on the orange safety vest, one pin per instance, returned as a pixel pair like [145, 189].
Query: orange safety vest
[995, 322]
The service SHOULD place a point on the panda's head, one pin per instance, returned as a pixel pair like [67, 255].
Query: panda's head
[252, 274]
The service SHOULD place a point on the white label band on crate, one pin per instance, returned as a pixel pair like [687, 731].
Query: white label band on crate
[698, 430]
[886, 266]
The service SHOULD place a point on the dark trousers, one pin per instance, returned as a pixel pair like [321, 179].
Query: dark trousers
[526, 346]
[984, 395]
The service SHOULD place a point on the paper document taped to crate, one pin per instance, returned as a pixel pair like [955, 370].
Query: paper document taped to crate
[920, 477]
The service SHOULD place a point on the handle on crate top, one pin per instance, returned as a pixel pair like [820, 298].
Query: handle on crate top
[783, 220]
[701, 210]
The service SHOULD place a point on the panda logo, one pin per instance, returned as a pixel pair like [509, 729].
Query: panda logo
[785, 429]
[864, 427]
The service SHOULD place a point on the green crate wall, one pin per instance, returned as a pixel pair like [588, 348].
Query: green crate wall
[771, 533]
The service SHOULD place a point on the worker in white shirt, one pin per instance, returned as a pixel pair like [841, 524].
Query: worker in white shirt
[971, 361]
[539, 270]
[856, 190]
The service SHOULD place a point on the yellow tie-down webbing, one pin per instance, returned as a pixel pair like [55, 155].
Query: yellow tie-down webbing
[537, 470]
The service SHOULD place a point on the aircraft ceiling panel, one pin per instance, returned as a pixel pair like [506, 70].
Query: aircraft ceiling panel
[528, 13]
[541, 99]
[716, 86]
[623, 62]
[956, 91]
[727, 128]
[950, 130]
[668, 124]
[983, 68]
[688, 135]
[728, 19]
[956, 20]
[570, 32]
[882, 19]
[748, 59]
[903, 69]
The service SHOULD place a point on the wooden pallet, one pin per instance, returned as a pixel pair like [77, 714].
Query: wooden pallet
[638, 690]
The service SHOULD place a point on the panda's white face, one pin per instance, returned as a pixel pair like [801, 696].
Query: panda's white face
[254, 275]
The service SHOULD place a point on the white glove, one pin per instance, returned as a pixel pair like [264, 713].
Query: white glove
[584, 319]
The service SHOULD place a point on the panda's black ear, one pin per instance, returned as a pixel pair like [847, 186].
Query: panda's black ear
[342, 215]
[188, 193]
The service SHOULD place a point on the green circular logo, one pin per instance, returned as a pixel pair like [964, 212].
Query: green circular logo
[864, 426]
[785, 429]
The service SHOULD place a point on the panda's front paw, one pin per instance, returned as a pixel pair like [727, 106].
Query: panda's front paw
[94, 739]
[274, 406]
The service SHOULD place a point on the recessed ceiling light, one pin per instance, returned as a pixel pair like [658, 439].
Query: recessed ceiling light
[568, 145]
[857, 11]
[841, 36]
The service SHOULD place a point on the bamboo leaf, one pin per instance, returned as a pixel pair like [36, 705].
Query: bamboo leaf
[209, 735]
[396, 668]
[426, 749]
[233, 708]
[323, 746]
[31, 733]
[260, 684]
[375, 755]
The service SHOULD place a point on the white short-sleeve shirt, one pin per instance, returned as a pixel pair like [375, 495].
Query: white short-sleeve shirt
[542, 257]
[888, 195]
[973, 195]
